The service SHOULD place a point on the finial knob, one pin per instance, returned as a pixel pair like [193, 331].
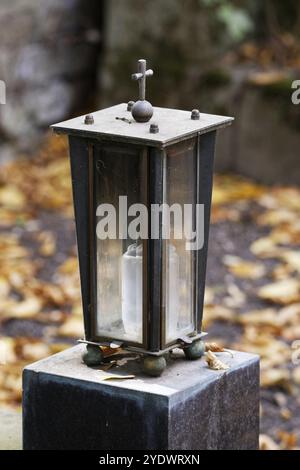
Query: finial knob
[142, 111]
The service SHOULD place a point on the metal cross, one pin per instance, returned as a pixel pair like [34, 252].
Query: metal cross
[141, 76]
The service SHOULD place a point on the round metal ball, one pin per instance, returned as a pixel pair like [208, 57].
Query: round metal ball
[194, 350]
[142, 111]
[93, 356]
[154, 365]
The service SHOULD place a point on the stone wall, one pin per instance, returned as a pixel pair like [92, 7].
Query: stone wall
[48, 60]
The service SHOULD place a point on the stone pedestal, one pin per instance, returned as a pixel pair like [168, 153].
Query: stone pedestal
[67, 405]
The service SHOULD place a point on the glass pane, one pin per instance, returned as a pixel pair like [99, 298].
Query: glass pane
[180, 189]
[119, 172]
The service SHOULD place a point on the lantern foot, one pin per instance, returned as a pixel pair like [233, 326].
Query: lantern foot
[154, 365]
[93, 356]
[195, 350]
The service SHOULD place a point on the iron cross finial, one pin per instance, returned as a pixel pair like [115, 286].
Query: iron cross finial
[142, 110]
[141, 76]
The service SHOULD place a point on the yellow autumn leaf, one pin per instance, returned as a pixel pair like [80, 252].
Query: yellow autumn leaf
[291, 333]
[286, 291]
[215, 348]
[4, 287]
[7, 351]
[267, 77]
[288, 440]
[267, 316]
[296, 375]
[214, 363]
[236, 297]
[11, 197]
[267, 443]
[47, 243]
[276, 217]
[275, 378]
[244, 269]
[217, 313]
[264, 248]
[27, 308]
[72, 328]
[292, 259]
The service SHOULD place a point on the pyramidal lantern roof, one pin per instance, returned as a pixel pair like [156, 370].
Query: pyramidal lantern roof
[139, 122]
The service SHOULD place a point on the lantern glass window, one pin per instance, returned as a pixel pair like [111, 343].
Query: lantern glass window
[120, 172]
[179, 263]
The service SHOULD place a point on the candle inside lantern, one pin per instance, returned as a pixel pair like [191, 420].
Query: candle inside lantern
[132, 292]
[172, 294]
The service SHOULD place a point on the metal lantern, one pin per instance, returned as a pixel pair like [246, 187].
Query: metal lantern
[143, 287]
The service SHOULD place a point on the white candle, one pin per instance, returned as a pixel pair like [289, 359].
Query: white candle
[172, 295]
[132, 292]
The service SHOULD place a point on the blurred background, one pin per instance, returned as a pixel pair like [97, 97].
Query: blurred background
[61, 58]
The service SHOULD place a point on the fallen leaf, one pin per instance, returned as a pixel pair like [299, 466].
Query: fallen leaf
[208, 296]
[7, 351]
[35, 351]
[264, 248]
[288, 440]
[267, 443]
[214, 347]
[236, 297]
[244, 269]
[12, 197]
[286, 414]
[267, 316]
[72, 328]
[276, 217]
[217, 313]
[106, 376]
[292, 259]
[47, 243]
[267, 78]
[214, 363]
[27, 308]
[4, 287]
[275, 378]
[296, 375]
[286, 291]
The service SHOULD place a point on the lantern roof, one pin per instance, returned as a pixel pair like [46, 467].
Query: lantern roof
[167, 126]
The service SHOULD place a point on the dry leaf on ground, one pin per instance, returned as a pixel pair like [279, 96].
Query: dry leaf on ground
[214, 363]
[47, 242]
[267, 443]
[283, 292]
[214, 347]
[288, 440]
[71, 328]
[275, 378]
[244, 269]
[264, 248]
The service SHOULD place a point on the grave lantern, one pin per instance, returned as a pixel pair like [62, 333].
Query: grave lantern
[142, 184]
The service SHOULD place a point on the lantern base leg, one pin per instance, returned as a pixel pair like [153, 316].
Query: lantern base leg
[93, 356]
[154, 365]
[195, 350]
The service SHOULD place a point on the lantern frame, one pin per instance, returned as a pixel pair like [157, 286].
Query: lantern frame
[109, 128]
